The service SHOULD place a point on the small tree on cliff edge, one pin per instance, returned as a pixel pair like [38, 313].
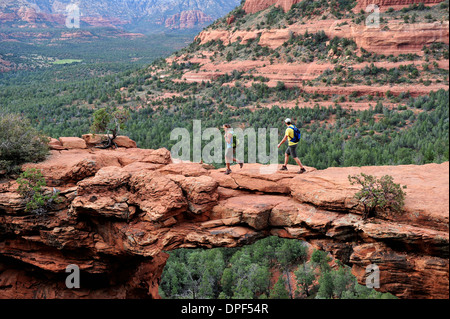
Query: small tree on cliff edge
[110, 122]
[32, 188]
[380, 193]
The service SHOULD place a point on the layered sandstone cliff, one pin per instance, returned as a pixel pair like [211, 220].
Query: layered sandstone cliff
[187, 20]
[253, 6]
[122, 209]
[399, 38]
[396, 4]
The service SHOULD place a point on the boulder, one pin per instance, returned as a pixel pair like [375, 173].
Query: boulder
[254, 6]
[274, 38]
[121, 141]
[125, 141]
[55, 144]
[72, 143]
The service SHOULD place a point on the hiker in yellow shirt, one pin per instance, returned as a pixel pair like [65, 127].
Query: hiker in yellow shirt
[292, 148]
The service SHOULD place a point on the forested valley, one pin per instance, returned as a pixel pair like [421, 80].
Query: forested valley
[272, 268]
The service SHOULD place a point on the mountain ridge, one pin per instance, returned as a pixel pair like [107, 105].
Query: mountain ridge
[130, 14]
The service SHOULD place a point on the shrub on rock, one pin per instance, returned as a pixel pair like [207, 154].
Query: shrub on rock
[19, 143]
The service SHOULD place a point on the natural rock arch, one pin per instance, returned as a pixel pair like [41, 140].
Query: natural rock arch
[123, 208]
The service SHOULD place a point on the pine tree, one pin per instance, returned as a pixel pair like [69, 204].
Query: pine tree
[326, 286]
[305, 277]
[279, 290]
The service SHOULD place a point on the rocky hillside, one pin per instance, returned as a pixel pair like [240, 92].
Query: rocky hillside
[324, 48]
[128, 206]
[254, 6]
[145, 15]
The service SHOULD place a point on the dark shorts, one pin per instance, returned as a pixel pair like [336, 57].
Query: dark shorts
[292, 150]
[229, 154]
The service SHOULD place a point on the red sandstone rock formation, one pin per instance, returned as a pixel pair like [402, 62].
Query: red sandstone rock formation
[396, 4]
[27, 14]
[400, 38]
[231, 19]
[253, 6]
[187, 19]
[122, 208]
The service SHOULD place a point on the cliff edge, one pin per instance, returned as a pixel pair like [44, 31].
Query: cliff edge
[122, 209]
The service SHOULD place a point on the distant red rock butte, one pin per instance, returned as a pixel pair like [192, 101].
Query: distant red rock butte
[187, 19]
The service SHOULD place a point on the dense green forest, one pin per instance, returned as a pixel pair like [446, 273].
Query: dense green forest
[249, 273]
[414, 132]
[103, 51]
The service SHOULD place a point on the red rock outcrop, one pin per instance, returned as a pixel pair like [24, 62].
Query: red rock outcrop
[397, 39]
[400, 38]
[187, 19]
[253, 6]
[121, 141]
[231, 19]
[396, 4]
[127, 206]
[27, 14]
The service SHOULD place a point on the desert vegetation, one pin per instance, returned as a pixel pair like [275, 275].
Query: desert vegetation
[20, 143]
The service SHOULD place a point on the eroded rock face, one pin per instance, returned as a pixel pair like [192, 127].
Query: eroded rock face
[122, 209]
[399, 38]
[253, 6]
[187, 19]
[385, 4]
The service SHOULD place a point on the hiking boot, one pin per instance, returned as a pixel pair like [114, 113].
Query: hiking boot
[227, 172]
[302, 170]
[283, 168]
[241, 165]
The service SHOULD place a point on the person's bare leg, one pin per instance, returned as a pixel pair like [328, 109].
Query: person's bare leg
[228, 171]
[298, 162]
[241, 164]
[302, 169]
[286, 159]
